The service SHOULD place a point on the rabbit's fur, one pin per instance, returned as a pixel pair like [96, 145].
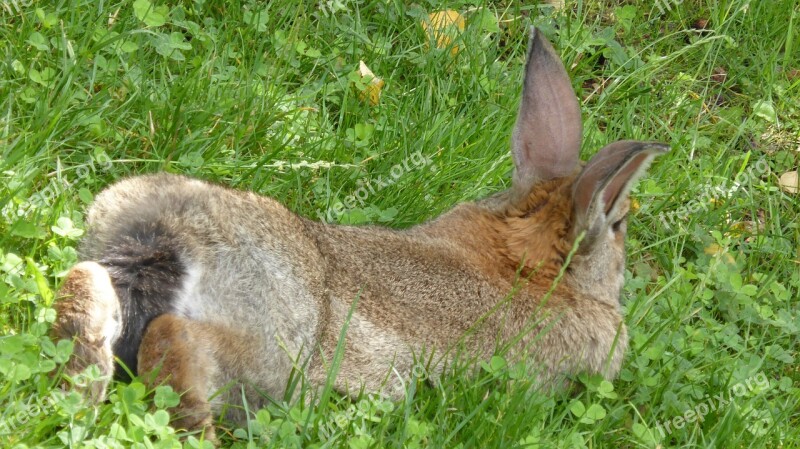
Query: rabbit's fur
[205, 286]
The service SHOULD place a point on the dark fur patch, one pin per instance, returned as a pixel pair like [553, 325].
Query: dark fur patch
[146, 272]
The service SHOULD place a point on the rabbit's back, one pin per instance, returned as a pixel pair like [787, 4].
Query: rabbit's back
[402, 284]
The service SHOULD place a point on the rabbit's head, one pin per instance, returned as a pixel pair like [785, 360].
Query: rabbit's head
[555, 201]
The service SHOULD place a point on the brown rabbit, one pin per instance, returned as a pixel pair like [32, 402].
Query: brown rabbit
[206, 286]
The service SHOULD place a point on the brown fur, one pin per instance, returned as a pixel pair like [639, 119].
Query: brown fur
[176, 353]
[234, 289]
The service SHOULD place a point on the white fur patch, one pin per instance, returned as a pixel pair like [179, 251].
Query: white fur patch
[111, 330]
[187, 299]
[105, 303]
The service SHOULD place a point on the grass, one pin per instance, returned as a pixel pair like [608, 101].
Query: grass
[266, 96]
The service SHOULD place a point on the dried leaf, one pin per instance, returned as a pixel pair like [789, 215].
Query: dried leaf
[373, 84]
[444, 27]
[741, 228]
[789, 182]
[717, 251]
[719, 75]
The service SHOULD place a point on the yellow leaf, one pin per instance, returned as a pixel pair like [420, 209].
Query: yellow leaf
[718, 251]
[789, 182]
[372, 91]
[444, 27]
[741, 228]
[634, 207]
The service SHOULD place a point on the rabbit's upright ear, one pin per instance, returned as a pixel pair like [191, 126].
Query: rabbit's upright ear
[607, 178]
[547, 137]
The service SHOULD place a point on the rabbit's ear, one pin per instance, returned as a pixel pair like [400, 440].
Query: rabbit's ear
[547, 137]
[607, 178]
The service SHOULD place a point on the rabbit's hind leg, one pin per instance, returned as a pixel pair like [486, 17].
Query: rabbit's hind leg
[200, 360]
[88, 313]
[176, 351]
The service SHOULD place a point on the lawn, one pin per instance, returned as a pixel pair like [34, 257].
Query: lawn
[272, 97]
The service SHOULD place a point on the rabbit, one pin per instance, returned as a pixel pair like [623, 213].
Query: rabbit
[200, 286]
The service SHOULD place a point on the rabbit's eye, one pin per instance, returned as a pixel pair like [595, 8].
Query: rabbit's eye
[619, 224]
